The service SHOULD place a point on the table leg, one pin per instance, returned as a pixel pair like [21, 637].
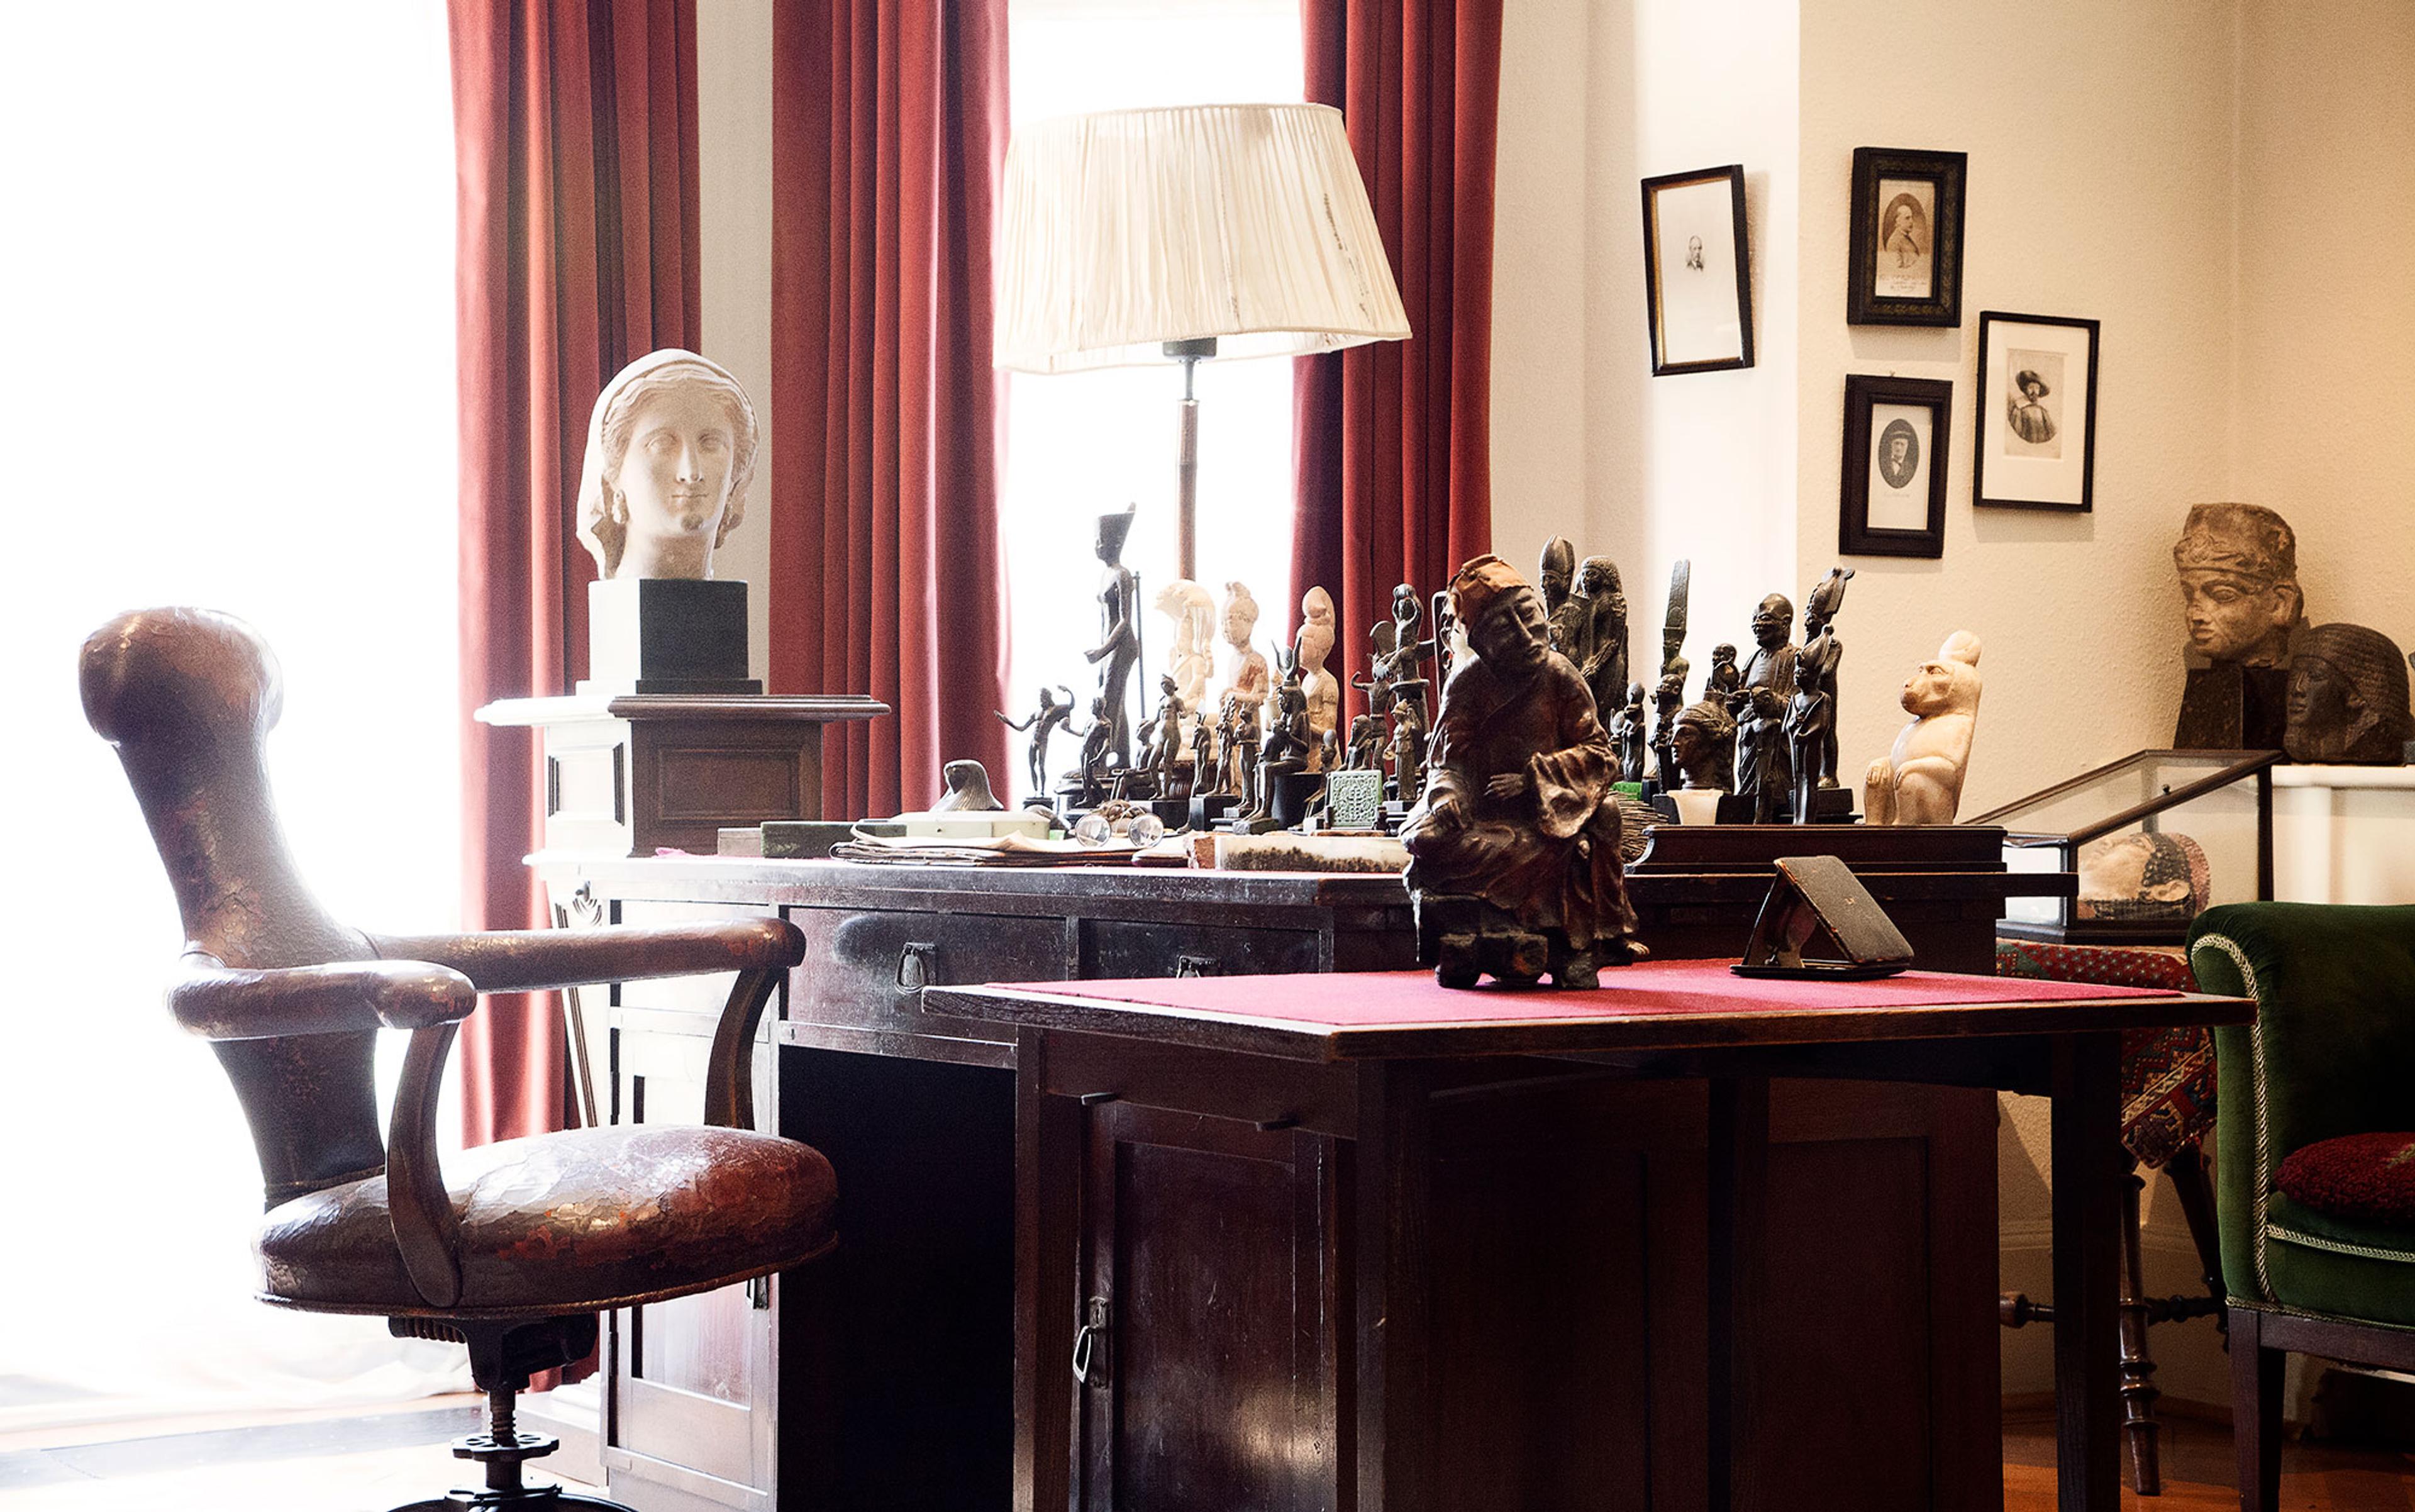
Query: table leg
[2089, 1169]
[1047, 1244]
[1391, 1272]
[1739, 1275]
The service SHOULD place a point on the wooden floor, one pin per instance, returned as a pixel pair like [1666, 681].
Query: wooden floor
[2200, 1474]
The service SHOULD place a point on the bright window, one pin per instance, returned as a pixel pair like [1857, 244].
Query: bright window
[229, 383]
[1082, 445]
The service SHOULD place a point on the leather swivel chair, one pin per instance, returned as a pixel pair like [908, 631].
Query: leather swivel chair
[2315, 1145]
[517, 1249]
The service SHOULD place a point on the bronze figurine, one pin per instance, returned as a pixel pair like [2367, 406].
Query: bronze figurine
[1704, 745]
[1119, 647]
[1604, 632]
[1810, 723]
[1514, 844]
[1626, 734]
[1043, 723]
[1763, 771]
[1555, 575]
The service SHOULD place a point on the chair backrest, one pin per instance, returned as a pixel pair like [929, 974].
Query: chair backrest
[2331, 1050]
[188, 697]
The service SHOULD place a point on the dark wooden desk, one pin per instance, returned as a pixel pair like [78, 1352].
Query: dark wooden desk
[883, 1377]
[1372, 1061]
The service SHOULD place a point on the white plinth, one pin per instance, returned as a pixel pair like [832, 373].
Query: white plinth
[2344, 834]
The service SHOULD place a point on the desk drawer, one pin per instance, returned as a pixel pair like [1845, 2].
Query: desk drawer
[1116, 948]
[868, 970]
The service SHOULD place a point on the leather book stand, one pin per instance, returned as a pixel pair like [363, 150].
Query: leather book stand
[516, 1250]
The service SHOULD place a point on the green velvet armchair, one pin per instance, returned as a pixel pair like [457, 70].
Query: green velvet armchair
[2315, 1148]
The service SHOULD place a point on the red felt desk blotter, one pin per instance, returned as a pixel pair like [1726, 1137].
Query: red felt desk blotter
[1649, 990]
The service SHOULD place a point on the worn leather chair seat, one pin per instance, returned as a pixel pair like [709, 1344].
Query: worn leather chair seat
[567, 1222]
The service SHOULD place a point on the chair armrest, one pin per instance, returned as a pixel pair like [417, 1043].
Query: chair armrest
[534, 960]
[220, 1002]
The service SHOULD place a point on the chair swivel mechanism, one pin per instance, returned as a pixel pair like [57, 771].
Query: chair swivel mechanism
[2315, 1140]
[516, 1250]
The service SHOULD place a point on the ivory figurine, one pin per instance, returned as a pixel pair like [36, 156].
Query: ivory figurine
[1921, 781]
[1192, 609]
[1320, 688]
[1246, 681]
[670, 449]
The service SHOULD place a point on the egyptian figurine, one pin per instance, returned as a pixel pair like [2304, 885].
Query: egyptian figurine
[2243, 609]
[1764, 770]
[1319, 688]
[1628, 734]
[1119, 647]
[1247, 681]
[1810, 722]
[1564, 618]
[1703, 744]
[1514, 843]
[1192, 609]
[1604, 607]
[1408, 750]
[2348, 698]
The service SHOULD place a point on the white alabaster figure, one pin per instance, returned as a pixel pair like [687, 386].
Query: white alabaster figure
[670, 449]
[1248, 681]
[1189, 654]
[1319, 687]
[1921, 782]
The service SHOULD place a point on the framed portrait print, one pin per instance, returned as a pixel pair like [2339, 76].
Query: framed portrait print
[1698, 271]
[2035, 446]
[1895, 435]
[1906, 268]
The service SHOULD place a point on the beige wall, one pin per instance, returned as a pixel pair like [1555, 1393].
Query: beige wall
[2228, 185]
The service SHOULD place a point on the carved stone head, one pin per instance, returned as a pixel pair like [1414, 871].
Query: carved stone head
[2348, 698]
[2237, 565]
[670, 449]
[1240, 615]
[1705, 736]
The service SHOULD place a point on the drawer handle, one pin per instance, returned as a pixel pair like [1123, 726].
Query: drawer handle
[1090, 1346]
[914, 964]
[1194, 965]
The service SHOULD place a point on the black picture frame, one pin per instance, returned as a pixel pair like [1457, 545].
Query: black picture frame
[2063, 483]
[1856, 536]
[1725, 243]
[1892, 180]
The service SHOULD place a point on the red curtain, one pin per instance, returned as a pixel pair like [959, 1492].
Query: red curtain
[575, 127]
[1391, 449]
[889, 133]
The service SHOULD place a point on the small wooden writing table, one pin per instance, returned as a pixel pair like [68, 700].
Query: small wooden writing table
[1364, 1057]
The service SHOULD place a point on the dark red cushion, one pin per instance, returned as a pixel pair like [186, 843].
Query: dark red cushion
[2365, 1176]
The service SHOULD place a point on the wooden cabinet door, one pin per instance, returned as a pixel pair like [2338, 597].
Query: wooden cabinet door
[689, 1409]
[1211, 1292]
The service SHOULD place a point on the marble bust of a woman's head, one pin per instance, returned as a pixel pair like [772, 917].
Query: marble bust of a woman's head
[670, 449]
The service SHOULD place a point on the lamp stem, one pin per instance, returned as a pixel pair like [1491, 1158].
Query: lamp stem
[1186, 491]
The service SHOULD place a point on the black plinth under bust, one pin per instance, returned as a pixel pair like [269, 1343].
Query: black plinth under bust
[666, 635]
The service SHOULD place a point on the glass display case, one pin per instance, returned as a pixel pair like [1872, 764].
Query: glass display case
[2154, 838]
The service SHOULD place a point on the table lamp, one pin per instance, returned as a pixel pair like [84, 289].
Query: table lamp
[1190, 232]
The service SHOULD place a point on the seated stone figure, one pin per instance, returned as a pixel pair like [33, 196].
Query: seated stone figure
[1514, 845]
[1920, 781]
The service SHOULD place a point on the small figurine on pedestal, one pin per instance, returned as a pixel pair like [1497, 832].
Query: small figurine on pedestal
[1161, 739]
[1087, 784]
[1204, 771]
[1119, 647]
[1763, 770]
[1320, 688]
[1725, 680]
[1239, 737]
[1408, 749]
[1603, 664]
[2238, 566]
[1043, 723]
[2348, 698]
[1366, 744]
[1626, 734]
[1810, 724]
[1920, 782]
[1284, 754]
[1667, 699]
[1564, 619]
[1514, 845]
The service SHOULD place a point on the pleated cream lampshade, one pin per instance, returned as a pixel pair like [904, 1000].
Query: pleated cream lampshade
[1122, 230]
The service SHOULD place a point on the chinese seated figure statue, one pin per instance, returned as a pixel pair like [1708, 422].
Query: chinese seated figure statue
[1513, 846]
[1920, 782]
[2348, 698]
[2238, 566]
